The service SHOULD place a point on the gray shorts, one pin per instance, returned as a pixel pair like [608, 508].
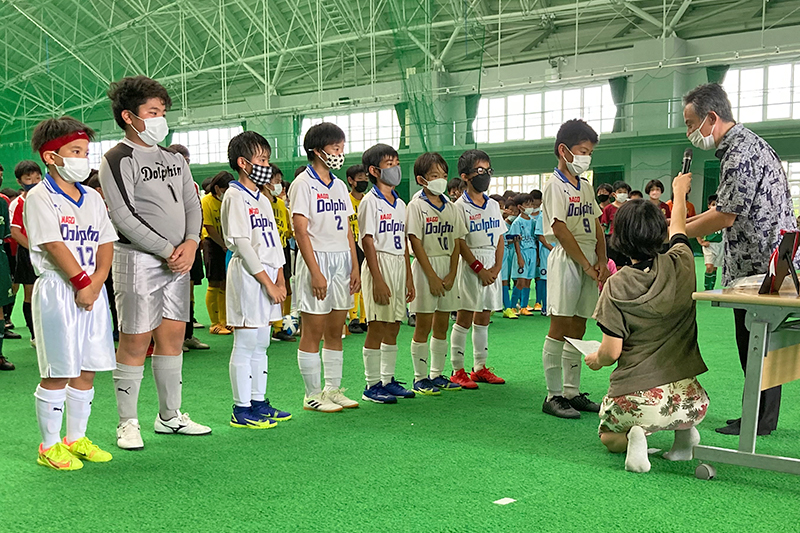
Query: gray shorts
[146, 291]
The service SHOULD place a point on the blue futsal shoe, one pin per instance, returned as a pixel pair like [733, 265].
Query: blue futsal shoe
[395, 388]
[378, 394]
[426, 387]
[442, 383]
[268, 411]
[247, 417]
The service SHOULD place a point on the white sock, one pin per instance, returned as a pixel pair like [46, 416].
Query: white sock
[438, 349]
[636, 459]
[419, 356]
[683, 446]
[551, 360]
[388, 362]
[259, 365]
[571, 363]
[79, 407]
[167, 375]
[310, 366]
[127, 382]
[458, 343]
[333, 361]
[50, 414]
[480, 346]
[372, 365]
[239, 368]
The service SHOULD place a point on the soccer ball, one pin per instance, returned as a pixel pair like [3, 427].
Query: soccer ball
[291, 325]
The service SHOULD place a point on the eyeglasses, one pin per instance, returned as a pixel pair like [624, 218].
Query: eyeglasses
[481, 170]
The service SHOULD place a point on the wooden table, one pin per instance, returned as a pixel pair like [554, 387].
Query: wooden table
[773, 359]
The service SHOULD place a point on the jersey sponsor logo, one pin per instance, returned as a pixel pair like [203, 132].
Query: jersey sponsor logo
[483, 225]
[260, 222]
[76, 234]
[432, 228]
[160, 171]
[322, 196]
[476, 216]
[391, 226]
[575, 199]
[386, 216]
[580, 210]
[253, 211]
[325, 204]
[67, 220]
[431, 219]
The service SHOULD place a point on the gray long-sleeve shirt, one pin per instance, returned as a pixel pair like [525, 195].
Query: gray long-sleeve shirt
[151, 197]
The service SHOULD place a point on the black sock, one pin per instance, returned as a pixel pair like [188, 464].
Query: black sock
[26, 310]
[8, 309]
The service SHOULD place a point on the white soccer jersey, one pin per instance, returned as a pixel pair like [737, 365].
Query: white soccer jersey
[327, 208]
[52, 216]
[574, 206]
[437, 228]
[485, 224]
[385, 220]
[247, 214]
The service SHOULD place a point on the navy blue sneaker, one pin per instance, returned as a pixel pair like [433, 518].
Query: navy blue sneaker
[268, 411]
[442, 383]
[426, 387]
[378, 394]
[247, 417]
[395, 388]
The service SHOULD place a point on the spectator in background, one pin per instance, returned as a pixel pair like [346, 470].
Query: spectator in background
[10, 247]
[455, 188]
[604, 195]
[690, 210]
[636, 195]
[654, 189]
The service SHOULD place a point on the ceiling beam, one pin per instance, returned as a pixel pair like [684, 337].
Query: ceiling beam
[670, 29]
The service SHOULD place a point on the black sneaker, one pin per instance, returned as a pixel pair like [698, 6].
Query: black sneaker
[9, 324]
[5, 364]
[11, 335]
[560, 407]
[364, 327]
[282, 336]
[581, 402]
[412, 320]
[355, 327]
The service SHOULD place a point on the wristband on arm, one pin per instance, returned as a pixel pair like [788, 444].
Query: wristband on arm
[81, 281]
[476, 266]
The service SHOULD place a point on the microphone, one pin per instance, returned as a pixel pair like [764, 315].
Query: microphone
[687, 161]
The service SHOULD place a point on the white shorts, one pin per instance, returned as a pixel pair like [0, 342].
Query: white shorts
[393, 270]
[70, 339]
[425, 302]
[336, 267]
[473, 295]
[570, 291]
[246, 300]
[713, 254]
[146, 291]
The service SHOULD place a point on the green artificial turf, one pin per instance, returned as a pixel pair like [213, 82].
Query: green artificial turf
[426, 464]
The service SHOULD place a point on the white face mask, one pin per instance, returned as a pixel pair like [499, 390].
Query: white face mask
[155, 130]
[622, 197]
[75, 169]
[529, 210]
[277, 188]
[437, 186]
[512, 218]
[703, 142]
[580, 163]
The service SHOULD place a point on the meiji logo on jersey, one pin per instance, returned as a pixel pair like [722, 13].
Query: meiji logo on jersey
[76, 234]
[580, 210]
[324, 204]
[438, 229]
[160, 172]
[484, 225]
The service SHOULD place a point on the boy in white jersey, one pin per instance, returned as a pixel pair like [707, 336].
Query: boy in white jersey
[577, 264]
[435, 227]
[479, 281]
[255, 284]
[70, 237]
[326, 273]
[387, 280]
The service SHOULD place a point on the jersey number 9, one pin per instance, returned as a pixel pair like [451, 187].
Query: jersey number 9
[587, 225]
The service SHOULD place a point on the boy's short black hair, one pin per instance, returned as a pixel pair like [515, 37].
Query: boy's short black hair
[522, 198]
[427, 161]
[93, 180]
[621, 185]
[653, 183]
[536, 194]
[354, 170]
[640, 230]
[299, 170]
[711, 198]
[10, 193]
[374, 156]
[604, 187]
[276, 171]
[636, 193]
[320, 136]
[132, 92]
[26, 166]
[53, 128]
[509, 202]
[180, 149]
[247, 144]
[574, 132]
[469, 159]
[221, 179]
[456, 183]
[509, 194]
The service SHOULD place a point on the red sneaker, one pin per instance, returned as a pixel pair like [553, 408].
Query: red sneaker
[485, 375]
[462, 378]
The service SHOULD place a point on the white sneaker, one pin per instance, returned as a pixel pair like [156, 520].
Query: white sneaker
[181, 425]
[320, 402]
[128, 435]
[337, 396]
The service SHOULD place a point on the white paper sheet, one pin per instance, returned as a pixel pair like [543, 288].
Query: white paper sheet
[585, 347]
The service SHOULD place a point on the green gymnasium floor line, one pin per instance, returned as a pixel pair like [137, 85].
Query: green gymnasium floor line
[427, 464]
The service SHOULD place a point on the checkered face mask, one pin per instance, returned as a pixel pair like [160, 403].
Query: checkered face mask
[260, 175]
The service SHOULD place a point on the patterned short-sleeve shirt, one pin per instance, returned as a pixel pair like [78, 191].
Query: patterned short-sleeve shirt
[753, 186]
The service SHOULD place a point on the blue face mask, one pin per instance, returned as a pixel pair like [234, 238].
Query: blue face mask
[29, 186]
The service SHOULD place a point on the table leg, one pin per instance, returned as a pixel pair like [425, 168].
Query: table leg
[757, 350]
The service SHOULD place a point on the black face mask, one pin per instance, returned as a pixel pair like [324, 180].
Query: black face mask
[481, 182]
[362, 186]
[602, 198]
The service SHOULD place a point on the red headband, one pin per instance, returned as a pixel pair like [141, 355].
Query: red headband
[56, 144]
